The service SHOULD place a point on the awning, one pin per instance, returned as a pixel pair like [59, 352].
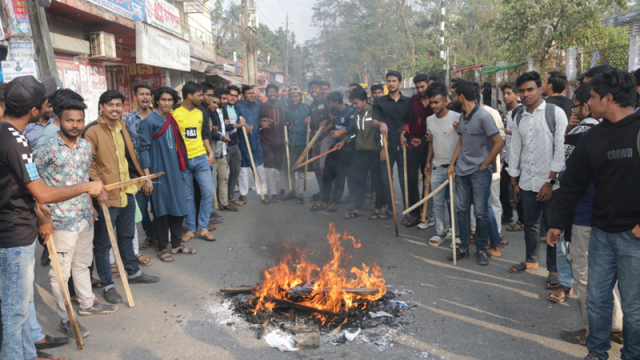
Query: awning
[466, 68]
[201, 66]
[234, 80]
[493, 69]
[69, 45]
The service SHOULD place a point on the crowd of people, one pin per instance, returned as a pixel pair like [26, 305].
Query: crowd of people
[563, 163]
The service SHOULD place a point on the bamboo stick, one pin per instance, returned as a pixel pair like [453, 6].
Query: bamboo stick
[453, 218]
[132, 181]
[426, 198]
[393, 200]
[315, 158]
[253, 164]
[116, 254]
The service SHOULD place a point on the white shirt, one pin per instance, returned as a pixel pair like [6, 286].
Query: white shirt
[445, 138]
[498, 120]
[221, 144]
[507, 142]
[534, 151]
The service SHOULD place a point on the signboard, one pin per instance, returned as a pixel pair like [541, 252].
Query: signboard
[137, 10]
[17, 17]
[154, 47]
[163, 15]
[120, 7]
[201, 50]
[20, 51]
[193, 6]
[14, 69]
[87, 77]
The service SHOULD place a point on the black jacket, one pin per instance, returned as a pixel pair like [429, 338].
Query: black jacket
[608, 155]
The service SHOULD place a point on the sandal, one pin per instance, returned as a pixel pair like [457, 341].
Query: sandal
[205, 234]
[143, 260]
[352, 215]
[553, 281]
[503, 240]
[266, 200]
[184, 250]
[520, 267]
[212, 227]
[333, 207]
[412, 222]
[560, 294]
[95, 283]
[517, 226]
[436, 240]
[376, 216]
[228, 208]
[188, 236]
[165, 256]
[147, 243]
[318, 206]
[242, 199]
[115, 273]
[235, 202]
[385, 215]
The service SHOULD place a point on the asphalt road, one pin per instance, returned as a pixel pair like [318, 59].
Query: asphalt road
[463, 312]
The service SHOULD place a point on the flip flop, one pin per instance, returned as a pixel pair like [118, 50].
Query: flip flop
[436, 240]
[318, 206]
[553, 278]
[165, 256]
[352, 215]
[183, 250]
[188, 236]
[205, 234]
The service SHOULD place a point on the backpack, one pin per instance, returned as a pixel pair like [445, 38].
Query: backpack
[549, 116]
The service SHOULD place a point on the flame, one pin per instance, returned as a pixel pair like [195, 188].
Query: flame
[327, 283]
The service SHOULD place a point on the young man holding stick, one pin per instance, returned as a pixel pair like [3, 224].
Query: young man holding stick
[296, 115]
[478, 146]
[234, 156]
[112, 153]
[319, 116]
[65, 159]
[25, 100]
[250, 108]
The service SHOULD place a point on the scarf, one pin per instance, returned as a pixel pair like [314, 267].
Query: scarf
[182, 149]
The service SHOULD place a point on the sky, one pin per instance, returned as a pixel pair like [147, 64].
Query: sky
[273, 13]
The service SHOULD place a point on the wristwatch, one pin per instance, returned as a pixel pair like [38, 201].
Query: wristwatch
[552, 181]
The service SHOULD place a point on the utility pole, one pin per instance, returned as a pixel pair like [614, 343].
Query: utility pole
[249, 23]
[46, 61]
[286, 51]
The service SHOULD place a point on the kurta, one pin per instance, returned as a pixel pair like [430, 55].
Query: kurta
[160, 155]
[249, 112]
[272, 139]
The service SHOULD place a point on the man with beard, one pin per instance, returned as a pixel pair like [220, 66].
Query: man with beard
[296, 115]
[33, 131]
[234, 156]
[113, 160]
[249, 107]
[142, 94]
[271, 117]
[65, 160]
[417, 146]
[478, 146]
[162, 149]
[319, 116]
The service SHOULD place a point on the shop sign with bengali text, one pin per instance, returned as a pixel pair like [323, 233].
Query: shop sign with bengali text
[120, 7]
[163, 15]
[157, 48]
[87, 77]
[193, 6]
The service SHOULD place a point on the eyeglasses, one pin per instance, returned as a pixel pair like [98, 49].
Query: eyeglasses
[574, 107]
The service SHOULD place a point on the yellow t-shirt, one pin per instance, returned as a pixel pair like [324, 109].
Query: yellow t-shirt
[190, 123]
[123, 164]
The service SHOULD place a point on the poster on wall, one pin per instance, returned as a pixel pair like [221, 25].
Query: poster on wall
[17, 17]
[87, 77]
[14, 69]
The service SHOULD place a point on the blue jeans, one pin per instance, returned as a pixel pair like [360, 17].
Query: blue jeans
[563, 264]
[474, 188]
[613, 257]
[198, 168]
[441, 200]
[124, 221]
[494, 235]
[533, 211]
[395, 157]
[143, 204]
[36, 329]
[16, 292]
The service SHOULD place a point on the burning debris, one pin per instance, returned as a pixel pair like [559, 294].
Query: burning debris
[300, 304]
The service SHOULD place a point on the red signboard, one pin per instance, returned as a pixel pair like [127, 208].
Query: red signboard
[135, 74]
[87, 77]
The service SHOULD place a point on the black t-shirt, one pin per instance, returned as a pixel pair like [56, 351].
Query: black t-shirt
[563, 102]
[18, 223]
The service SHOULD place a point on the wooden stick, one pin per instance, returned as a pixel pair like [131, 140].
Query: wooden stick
[215, 197]
[406, 179]
[393, 199]
[310, 143]
[306, 155]
[302, 307]
[453, 218]
[116, 254]
[427, 183]
[426, 198]
[132, 181]
[253, 164]
[55, 263]
[286, 138]
[315, 158]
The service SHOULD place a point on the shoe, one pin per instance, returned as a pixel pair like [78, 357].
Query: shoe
[616, 336]
[98, 309]
[52, 342]
[44, 259]
[144, 279]
[426, 224]
[459, 255]
[300, 200]
[482, 258]
[65, 327]
[578, 337]
[290, 196]
[112, 296]
[215, 215]
[215, 221]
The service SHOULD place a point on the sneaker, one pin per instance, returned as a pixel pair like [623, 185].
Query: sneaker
[290, 196]
[51, 342]
[44, 259]
[98, 309]
[144, 279]
[112, 296]
[578, 337]
[65, 327]
[459, 255]
[300, 200]
[482, 258]
[426, 224]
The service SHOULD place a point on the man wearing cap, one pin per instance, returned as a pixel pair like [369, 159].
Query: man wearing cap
[20, 219]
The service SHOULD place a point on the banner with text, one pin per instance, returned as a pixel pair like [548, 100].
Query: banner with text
[87, 77]
[154, 47]
[163, 15]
